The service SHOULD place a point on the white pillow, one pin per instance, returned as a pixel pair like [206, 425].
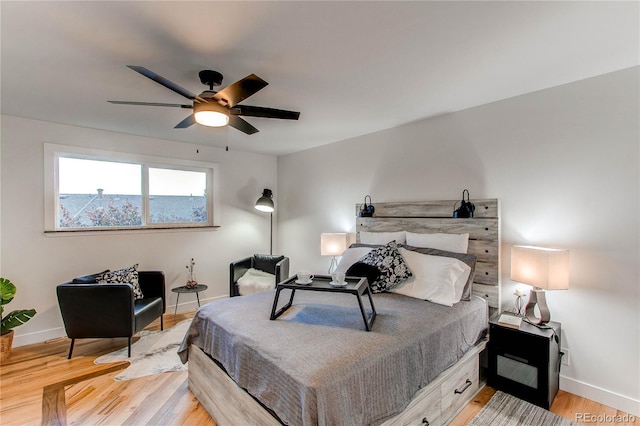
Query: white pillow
[351, 256]
[457, 243]
[254, 281]
[382, 237]
[435, 278]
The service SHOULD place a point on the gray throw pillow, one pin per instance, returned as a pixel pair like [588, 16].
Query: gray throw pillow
[89, 279]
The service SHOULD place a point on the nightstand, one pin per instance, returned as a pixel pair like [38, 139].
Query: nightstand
[525, 361]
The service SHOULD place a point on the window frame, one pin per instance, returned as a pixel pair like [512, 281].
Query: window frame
[52, 153]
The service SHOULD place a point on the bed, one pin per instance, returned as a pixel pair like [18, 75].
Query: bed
[315, 364]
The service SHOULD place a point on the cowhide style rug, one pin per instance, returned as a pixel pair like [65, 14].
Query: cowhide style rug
[155, 352]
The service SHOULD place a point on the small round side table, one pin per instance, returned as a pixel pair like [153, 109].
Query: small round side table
[184, 289]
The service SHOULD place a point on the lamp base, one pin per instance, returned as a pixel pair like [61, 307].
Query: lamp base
[333, 265]
[537, 298]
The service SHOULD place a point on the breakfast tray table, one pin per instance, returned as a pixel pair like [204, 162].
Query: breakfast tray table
[358, 286]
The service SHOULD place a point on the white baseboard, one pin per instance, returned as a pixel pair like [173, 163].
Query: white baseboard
[38, 336]
[603, 396]
[58, 332]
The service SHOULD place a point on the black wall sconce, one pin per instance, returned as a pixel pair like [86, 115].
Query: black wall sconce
[466, 209]
[367, 209]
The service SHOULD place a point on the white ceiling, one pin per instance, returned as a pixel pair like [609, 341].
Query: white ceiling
[350, 68]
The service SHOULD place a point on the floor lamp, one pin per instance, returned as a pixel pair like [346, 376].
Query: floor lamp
[265, 204]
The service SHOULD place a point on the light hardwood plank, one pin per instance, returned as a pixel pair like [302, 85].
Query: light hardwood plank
[442, 208]
[159, 399]
[54, 404]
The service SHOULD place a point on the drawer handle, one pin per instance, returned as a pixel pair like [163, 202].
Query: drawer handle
[425, 422]
[466, 386]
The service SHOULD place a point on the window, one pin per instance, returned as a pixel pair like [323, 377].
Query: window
[95, 190]
[177, 196]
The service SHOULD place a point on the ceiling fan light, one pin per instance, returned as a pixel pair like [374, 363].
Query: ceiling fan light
[211, 114]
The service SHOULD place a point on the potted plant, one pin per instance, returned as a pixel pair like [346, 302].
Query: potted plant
[12, 319]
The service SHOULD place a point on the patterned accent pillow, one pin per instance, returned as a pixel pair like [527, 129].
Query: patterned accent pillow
[392, 266]
[128, 275]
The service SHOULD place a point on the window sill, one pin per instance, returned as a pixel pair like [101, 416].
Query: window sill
[86, 232]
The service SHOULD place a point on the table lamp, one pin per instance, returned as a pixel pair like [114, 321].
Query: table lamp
[333, 245]
[544, 269]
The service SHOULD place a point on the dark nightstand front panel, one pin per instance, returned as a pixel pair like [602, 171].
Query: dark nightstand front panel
[525, 362]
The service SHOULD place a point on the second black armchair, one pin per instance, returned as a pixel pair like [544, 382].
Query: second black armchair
[277, 265]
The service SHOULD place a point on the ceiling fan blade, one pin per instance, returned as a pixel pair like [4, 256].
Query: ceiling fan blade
[164, 82]
[256, 111]
[151, 104]
[240, 90]
[242, 125]
[189, 121]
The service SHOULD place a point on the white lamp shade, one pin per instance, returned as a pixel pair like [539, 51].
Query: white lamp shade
[333, 244]
[540, 267]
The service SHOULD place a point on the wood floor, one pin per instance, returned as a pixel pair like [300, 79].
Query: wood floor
[161, 399]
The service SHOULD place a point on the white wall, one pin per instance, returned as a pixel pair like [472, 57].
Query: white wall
[564, 162]
[37, 263]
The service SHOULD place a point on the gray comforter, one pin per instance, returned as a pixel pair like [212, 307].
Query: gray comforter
[316, 364]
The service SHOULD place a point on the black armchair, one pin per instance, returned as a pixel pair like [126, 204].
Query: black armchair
[92, 310]
[273, 264]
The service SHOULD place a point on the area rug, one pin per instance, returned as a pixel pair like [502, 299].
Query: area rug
[506, 410]
[155, 352]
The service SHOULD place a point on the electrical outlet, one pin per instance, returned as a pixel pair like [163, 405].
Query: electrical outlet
[565, 357]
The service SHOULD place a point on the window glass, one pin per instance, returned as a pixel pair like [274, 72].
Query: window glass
[177, 196]
[98, 194]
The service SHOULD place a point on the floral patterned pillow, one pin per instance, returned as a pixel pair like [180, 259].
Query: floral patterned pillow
[128, 275]
[392, 266]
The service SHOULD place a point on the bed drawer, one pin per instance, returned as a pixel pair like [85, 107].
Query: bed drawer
[424, 410]
[462, 385]
[437, 403]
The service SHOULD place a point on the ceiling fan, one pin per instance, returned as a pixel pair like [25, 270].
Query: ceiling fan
[216, 109]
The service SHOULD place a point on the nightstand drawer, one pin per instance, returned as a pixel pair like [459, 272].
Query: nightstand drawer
[463, 382]
[520, 345]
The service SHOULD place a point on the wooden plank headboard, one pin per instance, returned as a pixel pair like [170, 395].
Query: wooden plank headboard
[436, 216]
